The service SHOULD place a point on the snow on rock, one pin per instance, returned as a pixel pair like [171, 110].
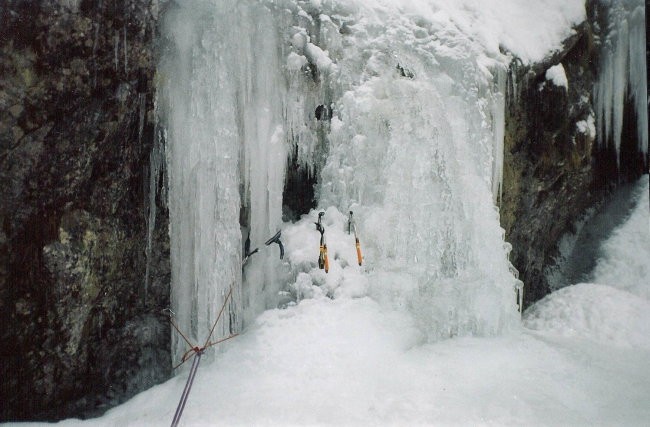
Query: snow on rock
[295, 62]
[557, 75]
[318, 57]
[587, 127]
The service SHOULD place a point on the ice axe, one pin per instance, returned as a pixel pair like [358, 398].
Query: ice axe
[276, 239]
[323, 261]
[353, 227]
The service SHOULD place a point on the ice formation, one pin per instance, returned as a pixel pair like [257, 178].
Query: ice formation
[397, 108]
[622, 73]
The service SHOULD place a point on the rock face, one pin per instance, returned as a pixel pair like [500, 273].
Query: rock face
[76, 131]
[553, 167]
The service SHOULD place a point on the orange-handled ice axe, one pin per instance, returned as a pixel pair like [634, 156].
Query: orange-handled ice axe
[353, 227]
[323, 261]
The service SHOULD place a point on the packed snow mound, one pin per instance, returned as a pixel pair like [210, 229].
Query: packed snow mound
[596, 312]
[624, 259]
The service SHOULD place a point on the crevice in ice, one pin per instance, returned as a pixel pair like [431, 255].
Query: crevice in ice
[298, 195]
[323, 113]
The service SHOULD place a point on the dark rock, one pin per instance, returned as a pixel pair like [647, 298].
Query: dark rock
[76, 98]
[548, 175]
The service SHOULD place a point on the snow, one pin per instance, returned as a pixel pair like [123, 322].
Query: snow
[597, 312]
[623, 261]
[529, 30]
[587, 127]
[557, 75]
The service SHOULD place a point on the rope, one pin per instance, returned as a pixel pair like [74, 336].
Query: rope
[195, 352]
[171, 320]
[218, 317]
[186, 390]
[220, 341]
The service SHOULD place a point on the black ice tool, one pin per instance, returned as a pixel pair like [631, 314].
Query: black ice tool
[323, 260]
[276, 239]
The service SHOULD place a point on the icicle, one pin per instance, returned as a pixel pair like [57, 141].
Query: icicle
[498, 107]
[622, 72]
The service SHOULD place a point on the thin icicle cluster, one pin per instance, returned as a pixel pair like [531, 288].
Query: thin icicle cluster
[622, 73]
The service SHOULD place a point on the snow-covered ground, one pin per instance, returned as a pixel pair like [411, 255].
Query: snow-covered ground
[580, 358]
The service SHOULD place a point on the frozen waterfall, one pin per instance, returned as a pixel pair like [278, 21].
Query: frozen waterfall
[409, 136]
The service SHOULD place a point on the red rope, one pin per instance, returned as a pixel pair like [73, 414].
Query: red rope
[171, 320]
[195, 353]
[220, 341]
[193, 350]
[218, 317]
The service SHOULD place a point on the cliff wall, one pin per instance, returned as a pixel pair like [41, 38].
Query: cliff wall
[76, 132]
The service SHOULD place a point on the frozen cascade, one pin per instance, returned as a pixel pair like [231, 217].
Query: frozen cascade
[223, 100]
[414, 146]
[418, 161]
[622, 73]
